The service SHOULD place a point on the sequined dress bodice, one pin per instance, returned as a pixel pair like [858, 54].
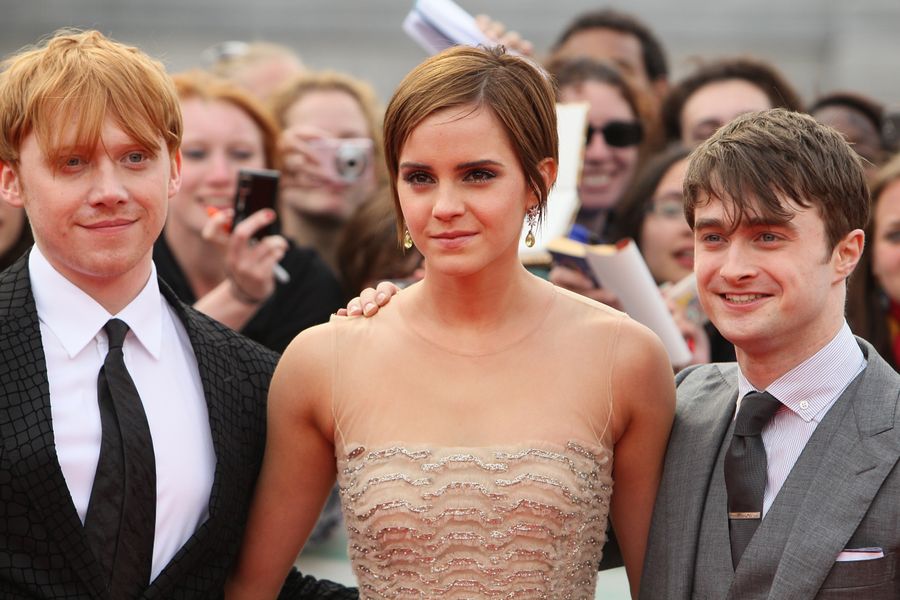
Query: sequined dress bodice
[468, 472]
[524, 522]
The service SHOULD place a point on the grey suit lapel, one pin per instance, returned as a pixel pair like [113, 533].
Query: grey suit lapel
[714, 572]
[26, 427]
[704, 409]
[827, 493]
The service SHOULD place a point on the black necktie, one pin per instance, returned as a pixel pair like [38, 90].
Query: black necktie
[121, 515]
[745, 469]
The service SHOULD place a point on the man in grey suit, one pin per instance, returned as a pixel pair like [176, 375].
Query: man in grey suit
[804, 500]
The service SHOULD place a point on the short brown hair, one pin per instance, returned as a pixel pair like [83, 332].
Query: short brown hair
[652, 53]
[763, 155]
[207, 87]
[85, 76]
[763, 75]
[519, 92]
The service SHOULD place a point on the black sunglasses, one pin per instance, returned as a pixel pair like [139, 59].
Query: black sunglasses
[619, 134]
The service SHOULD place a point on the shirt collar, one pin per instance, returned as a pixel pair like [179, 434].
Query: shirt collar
[75, 318]
[814, 384]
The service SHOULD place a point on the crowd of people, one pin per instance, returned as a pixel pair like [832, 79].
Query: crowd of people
[483, 428]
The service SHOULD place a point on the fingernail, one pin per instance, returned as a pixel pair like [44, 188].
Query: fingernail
[380, 297]
[354, 310]
[211, 211]
[369, 308]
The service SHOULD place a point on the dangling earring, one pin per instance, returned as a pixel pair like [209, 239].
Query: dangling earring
[531, 219]
[407, 240]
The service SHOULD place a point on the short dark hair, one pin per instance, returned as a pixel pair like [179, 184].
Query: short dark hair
[759, 73]
[654, 56]
[760, 156]
[870, 108]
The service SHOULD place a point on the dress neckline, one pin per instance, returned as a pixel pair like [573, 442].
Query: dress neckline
[528, 333]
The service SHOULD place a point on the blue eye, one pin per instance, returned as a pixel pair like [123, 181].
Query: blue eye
[136, 157]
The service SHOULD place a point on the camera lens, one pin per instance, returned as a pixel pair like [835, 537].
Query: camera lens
[350, 162]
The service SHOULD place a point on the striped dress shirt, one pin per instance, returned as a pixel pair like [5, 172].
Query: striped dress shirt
[807, 392]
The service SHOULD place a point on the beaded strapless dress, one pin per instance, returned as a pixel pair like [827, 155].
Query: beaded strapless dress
[470, 472]
[523, 522]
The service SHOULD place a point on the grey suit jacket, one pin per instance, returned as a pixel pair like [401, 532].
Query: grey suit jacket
[843, 492]
[43, 549]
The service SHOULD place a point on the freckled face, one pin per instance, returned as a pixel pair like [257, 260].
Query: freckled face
[95, 212]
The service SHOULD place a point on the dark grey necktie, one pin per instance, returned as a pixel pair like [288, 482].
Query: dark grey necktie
[745, 469]
[121, 515]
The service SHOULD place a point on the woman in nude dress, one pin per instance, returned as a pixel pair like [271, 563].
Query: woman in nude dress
[473, 423]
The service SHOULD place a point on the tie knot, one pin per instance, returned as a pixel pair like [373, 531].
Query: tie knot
[756, 410]
[115, 332]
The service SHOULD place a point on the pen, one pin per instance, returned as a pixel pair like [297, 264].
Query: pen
[281, 273]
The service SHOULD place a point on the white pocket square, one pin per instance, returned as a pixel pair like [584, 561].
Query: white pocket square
[855, 554]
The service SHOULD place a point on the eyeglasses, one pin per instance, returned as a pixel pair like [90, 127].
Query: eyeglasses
[669, 207]
[618, 134]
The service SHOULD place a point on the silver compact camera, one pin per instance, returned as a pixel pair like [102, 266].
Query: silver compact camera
[344, 160]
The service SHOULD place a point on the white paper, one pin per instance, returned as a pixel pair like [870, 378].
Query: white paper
[562, 204]
[626, 275]
[439, 24]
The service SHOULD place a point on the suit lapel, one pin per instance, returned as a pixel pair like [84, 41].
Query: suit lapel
[860, 452]
[703, 414]
[31, 449]
[219, 374]
[714, 572]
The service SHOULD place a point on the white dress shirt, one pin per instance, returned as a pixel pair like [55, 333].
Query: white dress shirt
[161, 361]
[806, 393]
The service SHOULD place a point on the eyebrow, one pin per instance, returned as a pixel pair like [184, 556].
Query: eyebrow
[485, 162]
[752, 221]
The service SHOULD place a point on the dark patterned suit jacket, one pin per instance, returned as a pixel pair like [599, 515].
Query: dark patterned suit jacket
[43, 550]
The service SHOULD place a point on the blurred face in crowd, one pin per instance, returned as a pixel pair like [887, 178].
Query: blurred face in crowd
[716, 104]
[219, 140]
[12, 221]
[95, 212]
[886, 245]
[619, 47]
[331, 114]
[667, 242]
[608, 169]
[858, 130]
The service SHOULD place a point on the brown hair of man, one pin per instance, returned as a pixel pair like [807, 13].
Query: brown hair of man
[760, 159]
[654, 57]
[204, 86]
[83, 77]
[518, 91]
[756, 72]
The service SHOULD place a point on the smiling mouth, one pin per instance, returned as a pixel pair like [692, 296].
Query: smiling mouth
[742, 298]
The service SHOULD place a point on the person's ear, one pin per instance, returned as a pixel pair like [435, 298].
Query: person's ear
[11, 185]
[175, 174]
[548, 168]
[847, 253]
